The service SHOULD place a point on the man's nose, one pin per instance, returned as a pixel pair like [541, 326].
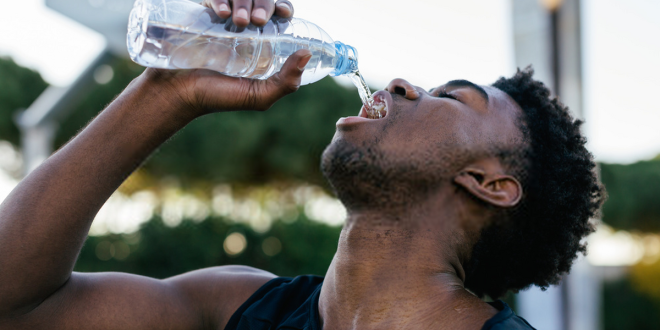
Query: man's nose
[404, 88]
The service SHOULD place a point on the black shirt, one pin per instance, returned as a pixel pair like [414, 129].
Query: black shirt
[292, 304]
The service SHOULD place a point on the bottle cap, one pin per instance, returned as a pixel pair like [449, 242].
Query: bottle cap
[347, 59]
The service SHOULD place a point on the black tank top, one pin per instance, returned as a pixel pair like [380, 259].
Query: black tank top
[292, 304]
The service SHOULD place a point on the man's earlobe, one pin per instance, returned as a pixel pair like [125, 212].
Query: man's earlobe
[497, 189]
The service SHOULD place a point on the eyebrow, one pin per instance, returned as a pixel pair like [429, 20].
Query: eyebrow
[468, 84]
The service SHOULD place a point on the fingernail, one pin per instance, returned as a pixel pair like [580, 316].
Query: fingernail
[303, 62]
[284, 5]
[242, 13]
[259, 13]
[223, 7]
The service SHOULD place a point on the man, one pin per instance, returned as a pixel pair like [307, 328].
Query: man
[457, 193]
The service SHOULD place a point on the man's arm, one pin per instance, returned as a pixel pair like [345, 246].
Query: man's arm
[202, 299]
[44, 221]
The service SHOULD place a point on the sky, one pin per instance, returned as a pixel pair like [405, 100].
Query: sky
[427, 43]
[622, 78]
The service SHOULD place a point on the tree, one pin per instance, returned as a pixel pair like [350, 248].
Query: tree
[19, 87]
[159, 251]
[634, 195]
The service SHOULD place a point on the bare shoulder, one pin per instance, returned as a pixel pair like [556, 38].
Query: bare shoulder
[221, 290]
[201, 299]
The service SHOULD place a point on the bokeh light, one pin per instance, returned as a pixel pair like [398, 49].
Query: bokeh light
[271, 246]
[234, 244]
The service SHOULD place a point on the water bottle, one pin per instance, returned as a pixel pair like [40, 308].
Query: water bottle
[181, 34]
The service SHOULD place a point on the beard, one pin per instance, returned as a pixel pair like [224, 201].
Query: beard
[365, 177]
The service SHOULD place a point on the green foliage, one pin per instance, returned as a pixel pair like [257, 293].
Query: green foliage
[160, 251]
[633, 192]
[19, 87]
[95, 99]
[624, 308]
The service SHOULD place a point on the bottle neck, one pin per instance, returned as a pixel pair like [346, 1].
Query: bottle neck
[347, 59]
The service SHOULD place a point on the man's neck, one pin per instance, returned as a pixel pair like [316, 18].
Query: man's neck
[396, 271]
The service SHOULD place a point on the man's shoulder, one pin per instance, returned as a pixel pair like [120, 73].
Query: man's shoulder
[234, 277]
[223, 288]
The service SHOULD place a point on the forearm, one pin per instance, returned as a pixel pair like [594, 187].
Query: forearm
[44, 221]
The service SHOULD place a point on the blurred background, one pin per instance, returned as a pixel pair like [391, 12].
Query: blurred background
[245, 188]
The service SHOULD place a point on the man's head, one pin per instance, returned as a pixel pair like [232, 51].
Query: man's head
[516, 154]
[425, 140]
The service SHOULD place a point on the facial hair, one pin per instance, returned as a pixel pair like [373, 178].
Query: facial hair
[364, 177]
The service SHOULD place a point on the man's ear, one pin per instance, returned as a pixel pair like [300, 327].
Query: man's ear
[488, 184]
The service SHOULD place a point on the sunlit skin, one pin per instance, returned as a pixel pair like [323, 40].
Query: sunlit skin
[399, 261]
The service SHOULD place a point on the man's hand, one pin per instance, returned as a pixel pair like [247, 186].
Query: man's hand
[204, 91]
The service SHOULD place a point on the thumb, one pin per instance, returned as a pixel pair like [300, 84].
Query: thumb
[288, 79]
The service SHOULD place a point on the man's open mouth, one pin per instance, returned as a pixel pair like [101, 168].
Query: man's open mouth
[378, 109]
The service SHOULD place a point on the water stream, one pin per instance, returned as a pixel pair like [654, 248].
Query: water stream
[365, 94]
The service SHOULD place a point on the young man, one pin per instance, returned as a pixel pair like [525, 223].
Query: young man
[457, 193]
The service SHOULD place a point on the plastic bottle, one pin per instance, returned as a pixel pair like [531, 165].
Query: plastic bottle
[181, 34]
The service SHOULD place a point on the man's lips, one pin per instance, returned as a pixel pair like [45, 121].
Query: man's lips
[382, 101]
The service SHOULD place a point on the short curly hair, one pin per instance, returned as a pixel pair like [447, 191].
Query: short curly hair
[536, 242]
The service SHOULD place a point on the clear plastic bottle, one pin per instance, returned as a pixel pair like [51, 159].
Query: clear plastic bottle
[181, 34]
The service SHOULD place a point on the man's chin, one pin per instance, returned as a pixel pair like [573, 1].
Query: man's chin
[345, 166]
[361, 176]
[365, 177]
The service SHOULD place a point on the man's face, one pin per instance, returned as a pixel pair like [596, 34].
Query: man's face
[424, 140]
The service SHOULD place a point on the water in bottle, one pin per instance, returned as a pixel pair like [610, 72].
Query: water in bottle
[181, 34]
[176, 47]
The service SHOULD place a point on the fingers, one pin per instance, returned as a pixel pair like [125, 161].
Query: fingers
[241, 10]
[246, 12]
[288, 79]
[283, 8]
[262, 11]
[222, 8]
[214, 92]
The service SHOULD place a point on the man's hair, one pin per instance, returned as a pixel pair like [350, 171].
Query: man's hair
[536, 242]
